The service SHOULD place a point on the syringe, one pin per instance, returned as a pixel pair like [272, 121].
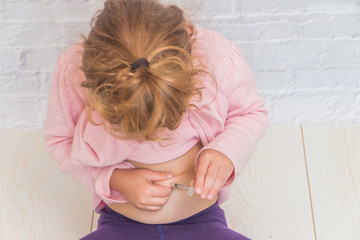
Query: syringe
[190, 190]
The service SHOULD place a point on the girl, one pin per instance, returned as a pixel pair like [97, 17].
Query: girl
[147, 108]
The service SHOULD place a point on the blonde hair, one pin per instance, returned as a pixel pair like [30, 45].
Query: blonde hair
[141, 104]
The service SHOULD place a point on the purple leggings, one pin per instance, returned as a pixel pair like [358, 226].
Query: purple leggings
[209, 224]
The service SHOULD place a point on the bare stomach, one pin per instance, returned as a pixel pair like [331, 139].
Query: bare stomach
[180, 205]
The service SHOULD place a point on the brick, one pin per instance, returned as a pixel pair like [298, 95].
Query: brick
[36, 59]
[274, 6]
[334, 5]
[10, 60]
[275, 80]
[346, 103]
[41, 33]
[279, 6]
[25, 11]
[346, 78]
[331, 26]
[207, 8]
[280, 55]
[312, 107]
[25, 82]
[19, 108]
[237, 31]
[300, 54]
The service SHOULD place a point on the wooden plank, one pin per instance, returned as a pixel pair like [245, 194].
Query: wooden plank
[333, 156]
[95, 221]
[270, 199]
[37, 200]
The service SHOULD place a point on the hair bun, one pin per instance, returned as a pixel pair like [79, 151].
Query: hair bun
[140, 62]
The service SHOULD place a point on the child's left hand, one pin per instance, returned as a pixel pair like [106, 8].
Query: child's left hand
[212, 171]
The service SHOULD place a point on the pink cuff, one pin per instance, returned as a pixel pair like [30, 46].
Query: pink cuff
[102, 184]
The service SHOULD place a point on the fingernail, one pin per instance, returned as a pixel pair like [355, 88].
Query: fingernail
[170, 175]
[203, 196]
[210, 197]
[198, 190]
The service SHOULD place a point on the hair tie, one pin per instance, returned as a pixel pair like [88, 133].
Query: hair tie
[140, 62]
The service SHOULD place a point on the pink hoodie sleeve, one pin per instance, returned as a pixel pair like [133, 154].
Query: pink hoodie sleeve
[247, 117]
[65, 104]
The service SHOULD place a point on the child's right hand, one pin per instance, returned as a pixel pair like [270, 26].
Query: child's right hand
[140, 189]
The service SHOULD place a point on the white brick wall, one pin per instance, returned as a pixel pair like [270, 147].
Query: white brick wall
[305, 53]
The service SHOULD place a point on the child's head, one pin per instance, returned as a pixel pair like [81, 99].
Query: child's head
[139, 102]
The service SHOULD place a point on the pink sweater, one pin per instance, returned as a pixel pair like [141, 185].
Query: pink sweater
[233, 123]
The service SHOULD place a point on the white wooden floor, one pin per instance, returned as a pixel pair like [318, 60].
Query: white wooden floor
[302, 183]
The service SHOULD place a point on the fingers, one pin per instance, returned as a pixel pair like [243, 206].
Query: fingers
[200, 174]
[210, 179]
[218, 184]
[154, 204]
[212, 182]
[213, 170]
[150, 208]
[160, 191]
[155, 197]
[154, 176]
[166, 183]
[144, 193]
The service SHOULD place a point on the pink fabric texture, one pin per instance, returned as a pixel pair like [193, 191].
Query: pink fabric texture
[233, 123]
